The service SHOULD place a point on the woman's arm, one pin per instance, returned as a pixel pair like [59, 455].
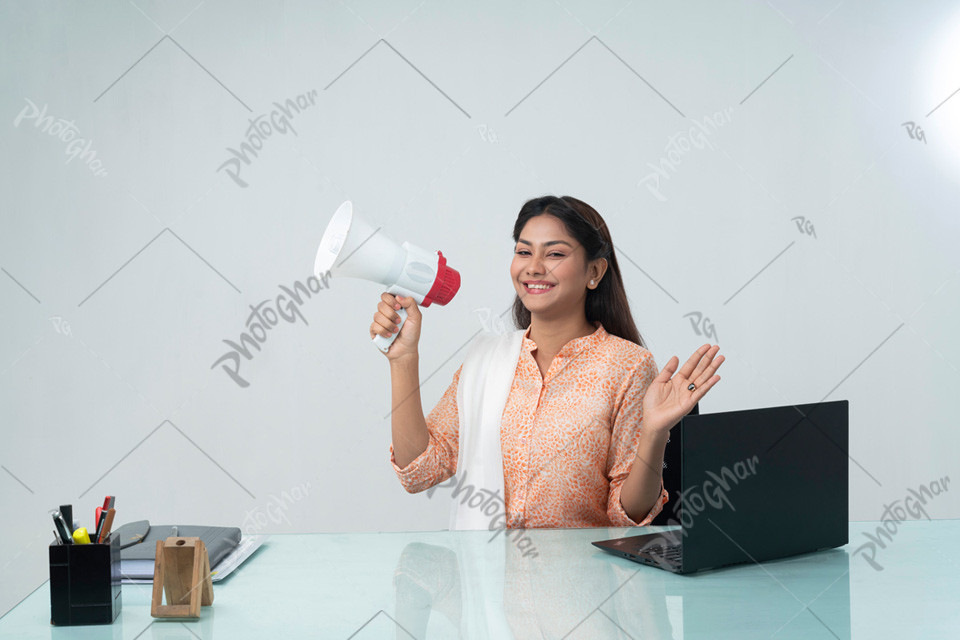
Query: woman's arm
[409, 427]
[424, 450]
[665, 401]
[636, 495]
[421, 464]
[641, 489]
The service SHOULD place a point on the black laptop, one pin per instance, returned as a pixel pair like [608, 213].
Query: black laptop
[755, 485]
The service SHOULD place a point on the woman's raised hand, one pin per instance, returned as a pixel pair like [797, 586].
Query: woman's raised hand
[668, 398]
[385, 320]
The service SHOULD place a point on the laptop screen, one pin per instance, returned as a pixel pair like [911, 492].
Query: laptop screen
[762, 483]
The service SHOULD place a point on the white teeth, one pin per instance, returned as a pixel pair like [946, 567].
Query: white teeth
[539, 286]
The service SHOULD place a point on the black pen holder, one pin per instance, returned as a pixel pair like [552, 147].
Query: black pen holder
[85, 582]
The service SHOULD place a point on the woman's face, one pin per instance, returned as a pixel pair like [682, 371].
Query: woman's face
[547, 255]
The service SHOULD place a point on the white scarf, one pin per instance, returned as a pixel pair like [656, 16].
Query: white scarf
[484, 385]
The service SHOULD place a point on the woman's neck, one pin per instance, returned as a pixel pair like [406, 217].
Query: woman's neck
[551, 335]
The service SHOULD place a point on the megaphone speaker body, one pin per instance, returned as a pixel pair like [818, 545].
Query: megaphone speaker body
[351, 248]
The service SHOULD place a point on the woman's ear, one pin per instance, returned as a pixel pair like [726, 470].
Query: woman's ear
[598, 269]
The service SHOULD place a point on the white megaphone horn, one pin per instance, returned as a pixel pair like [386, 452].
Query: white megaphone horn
[352, 248]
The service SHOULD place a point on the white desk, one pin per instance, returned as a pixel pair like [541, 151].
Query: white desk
[426, 585]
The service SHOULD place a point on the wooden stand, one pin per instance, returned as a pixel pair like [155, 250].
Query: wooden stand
[182, 571]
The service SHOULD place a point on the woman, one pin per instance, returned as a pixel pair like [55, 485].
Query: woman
[586, 420]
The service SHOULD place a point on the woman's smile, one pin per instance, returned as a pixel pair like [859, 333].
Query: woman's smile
[535, 289]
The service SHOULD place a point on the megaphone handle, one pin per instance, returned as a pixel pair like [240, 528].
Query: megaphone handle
[384, 343]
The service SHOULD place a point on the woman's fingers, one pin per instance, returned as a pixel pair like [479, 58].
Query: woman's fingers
[385, 319]
[702, 358]
[385, 323]
[410, 305]
[667, 371]
[389, 313]
[688, 367]
[712, 369]
[698, 368]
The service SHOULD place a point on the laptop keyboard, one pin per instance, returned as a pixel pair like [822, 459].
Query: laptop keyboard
[669, 555]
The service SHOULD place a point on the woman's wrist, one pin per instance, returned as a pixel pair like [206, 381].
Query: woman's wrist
[405, 362]
[655, 432]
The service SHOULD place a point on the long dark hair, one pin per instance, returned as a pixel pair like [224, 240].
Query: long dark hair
[608, 302]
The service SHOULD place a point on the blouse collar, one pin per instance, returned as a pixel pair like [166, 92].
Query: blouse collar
[574, 345]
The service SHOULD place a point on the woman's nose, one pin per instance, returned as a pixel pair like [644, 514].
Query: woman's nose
[535, 265]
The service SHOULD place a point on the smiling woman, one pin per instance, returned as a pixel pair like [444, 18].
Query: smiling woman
[565, 417]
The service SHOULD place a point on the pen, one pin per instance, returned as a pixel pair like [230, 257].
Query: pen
[61, 528]
[80, 536]
[66, 510]
[107, 524]
[98, 523]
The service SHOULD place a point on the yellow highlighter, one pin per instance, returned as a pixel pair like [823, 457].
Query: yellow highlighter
[80, 536]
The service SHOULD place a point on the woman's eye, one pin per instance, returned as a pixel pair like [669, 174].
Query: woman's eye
[555, 253]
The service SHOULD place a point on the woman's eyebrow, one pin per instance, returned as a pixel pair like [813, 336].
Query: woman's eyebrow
[547, 244]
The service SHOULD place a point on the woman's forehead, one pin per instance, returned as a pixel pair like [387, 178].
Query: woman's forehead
[546, 230]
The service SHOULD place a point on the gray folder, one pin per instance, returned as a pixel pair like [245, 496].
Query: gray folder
[138, 543]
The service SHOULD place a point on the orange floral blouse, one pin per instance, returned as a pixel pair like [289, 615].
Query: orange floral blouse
[568, 437]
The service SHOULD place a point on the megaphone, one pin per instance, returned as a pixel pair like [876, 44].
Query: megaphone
[406, 269]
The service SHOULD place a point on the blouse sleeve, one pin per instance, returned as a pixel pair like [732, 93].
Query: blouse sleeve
[627, 426]
[438, 461]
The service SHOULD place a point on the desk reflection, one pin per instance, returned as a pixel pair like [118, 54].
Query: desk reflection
[477, 588]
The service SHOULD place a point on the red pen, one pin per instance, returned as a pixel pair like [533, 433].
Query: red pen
[107, 503]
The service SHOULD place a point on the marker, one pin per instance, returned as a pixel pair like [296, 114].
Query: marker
[107, 524]
[61, 528]
[80, 536]
[66, 510]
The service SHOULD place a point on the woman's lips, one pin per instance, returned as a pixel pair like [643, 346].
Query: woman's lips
[538, 291]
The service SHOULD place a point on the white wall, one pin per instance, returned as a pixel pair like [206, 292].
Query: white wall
[438, 120]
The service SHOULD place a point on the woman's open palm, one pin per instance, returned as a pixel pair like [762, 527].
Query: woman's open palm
[668, 397]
